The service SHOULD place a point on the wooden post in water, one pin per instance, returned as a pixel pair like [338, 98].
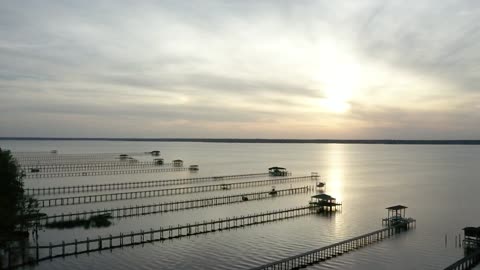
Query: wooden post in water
[37, 251]
[9, 258]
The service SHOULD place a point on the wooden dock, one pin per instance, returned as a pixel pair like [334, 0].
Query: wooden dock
[162, 192]
[471, 245]
[139, 210]
[331, 251]
[72, 167]
[467, 262]
[134, 185]
[72, 161]
[63, 249]
[50, 157]
[109, 172]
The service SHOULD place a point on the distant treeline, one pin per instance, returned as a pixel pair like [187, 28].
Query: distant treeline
[211, 140]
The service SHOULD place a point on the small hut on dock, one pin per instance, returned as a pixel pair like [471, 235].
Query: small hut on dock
[472, 237]
[277, 171]
[158, 161]
[324, 203]
[178, 163]
[193, 168]
[396, 216]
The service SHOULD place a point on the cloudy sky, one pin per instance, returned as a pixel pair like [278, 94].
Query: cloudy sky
[241, 69]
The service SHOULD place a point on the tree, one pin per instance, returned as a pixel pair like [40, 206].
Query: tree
[16, 208]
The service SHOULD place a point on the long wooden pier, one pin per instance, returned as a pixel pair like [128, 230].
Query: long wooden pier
[162, 192]
[138, 210]
[34, 163]
[331, 251]
[60, 157]
[111, 165]
[109, 172]
[467, 262]
[133, 185]
[63, 249]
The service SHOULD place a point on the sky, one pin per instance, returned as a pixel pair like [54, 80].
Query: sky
[240, 69]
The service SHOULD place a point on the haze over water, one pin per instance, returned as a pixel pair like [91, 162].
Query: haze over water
[439, 184]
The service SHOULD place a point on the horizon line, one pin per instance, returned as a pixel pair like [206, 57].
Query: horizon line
[257, 140]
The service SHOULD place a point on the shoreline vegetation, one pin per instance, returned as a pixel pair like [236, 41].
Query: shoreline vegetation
[237, 140]
[16, 208]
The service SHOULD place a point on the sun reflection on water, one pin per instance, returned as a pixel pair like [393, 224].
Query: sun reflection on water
[334, 175]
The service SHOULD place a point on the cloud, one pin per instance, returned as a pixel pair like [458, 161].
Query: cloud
[322, 69]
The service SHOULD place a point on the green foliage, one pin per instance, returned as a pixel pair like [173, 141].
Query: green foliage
[15, 206]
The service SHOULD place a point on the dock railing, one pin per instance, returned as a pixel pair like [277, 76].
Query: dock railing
[105, 172]
[72, 167]
[330, 251]
[467, 262]
[138, 210]
[133, 185]
[162, 192]
[63, 249]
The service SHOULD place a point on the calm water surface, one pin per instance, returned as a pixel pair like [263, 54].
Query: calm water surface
[439, 184]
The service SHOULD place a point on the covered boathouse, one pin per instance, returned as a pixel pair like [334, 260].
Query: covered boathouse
[472, 237]
[277, 171]
[396, 217]
[324, 203]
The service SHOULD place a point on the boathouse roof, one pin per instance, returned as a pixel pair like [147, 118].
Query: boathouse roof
[472, 231]
[323, 197]
[276, 168]
[396, 207]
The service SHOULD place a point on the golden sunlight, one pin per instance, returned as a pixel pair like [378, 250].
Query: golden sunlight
[338, 75]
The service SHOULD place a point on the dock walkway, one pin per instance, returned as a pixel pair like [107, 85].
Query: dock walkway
[63, 249]
[467, 262]
[133, 185]
[331, 251]
[138, 210]
[109, 172]
[72, 167]
[162, 192]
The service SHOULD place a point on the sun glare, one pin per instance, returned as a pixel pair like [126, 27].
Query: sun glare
[338, 77]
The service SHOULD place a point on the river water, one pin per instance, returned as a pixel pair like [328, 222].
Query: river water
[438, 183]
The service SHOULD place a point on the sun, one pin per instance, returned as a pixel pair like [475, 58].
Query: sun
[338, 77]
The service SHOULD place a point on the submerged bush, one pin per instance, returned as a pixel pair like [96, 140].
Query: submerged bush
[94, 222]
